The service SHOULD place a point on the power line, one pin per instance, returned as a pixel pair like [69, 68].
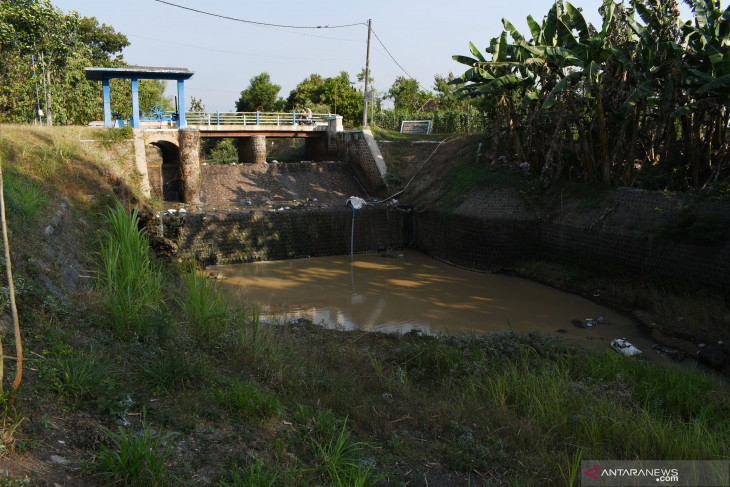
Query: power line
[395, 61]
[227, 51]
[259, 23]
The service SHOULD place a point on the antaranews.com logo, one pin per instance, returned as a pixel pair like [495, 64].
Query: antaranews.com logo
[655, 473]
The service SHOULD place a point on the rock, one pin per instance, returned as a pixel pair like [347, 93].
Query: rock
[712, 355]
[164, 247]
[59, 460]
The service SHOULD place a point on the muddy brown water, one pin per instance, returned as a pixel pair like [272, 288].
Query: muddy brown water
[408, 290]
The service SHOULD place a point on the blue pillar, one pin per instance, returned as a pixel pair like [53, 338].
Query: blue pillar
[135, 104]
[107, 103]
[257, 117]
[181, 123]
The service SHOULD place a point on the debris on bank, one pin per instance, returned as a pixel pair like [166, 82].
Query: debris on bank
[625, 348]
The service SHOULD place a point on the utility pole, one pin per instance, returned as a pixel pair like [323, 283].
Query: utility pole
[367, 76]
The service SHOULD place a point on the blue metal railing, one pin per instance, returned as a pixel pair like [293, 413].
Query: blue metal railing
[254, 118]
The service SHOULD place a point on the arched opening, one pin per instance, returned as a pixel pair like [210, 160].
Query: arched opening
[171, 175]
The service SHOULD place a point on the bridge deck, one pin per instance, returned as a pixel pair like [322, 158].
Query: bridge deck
[295, 131]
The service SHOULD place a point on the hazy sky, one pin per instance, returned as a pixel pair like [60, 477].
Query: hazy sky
[224, 54]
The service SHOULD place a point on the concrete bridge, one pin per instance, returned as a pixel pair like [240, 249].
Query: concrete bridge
[177, 134]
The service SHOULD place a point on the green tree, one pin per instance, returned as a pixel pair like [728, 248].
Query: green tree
[261, 95]
[102, 40]
[196, 105]
[407, 94]
[333, 95]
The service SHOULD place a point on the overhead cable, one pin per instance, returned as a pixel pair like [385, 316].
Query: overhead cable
[260, 23]
[394, 60]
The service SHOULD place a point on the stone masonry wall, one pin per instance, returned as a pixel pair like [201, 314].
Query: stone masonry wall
[490, 231]
[254, 236]
[493, 230]
[353, 148]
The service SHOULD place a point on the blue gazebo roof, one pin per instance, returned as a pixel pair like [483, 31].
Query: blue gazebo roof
[139, 72]
[135, 73]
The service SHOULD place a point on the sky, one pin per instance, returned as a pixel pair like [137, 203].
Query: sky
[412, 38]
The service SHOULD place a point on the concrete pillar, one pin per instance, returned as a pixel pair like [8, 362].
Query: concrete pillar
[334, 125]
[190, 165]
[252, 150]
[135, 103]
[315, 148]
[107, 103]
[140, 160]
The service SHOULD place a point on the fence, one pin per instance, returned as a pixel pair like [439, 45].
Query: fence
[254, 118]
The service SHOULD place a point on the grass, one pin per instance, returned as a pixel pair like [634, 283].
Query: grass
[74, 377]
[249, 400]
[205, 307]
[24, 197]
[131, 280]
[134, 459]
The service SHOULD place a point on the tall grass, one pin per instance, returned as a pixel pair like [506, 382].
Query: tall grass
[204, 305]
[135, 459]
[133, 283]
[23, 196]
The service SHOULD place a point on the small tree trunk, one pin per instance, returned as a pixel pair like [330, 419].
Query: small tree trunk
[11, 291]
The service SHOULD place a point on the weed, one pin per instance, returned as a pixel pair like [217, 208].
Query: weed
[110, 137]
[134, 459]
[247, 399]
[255, 475]
[204, 305]
[338, 460]
[571, 475]
[467, 452]
[74, 377]
[23, 196]
[249, 323]
[170, 371]
[132, 282]
[696, 226]
[10, 421]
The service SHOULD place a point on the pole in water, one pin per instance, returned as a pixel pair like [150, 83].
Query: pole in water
[352, 232]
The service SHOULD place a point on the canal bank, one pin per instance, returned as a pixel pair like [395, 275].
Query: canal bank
[667, 238]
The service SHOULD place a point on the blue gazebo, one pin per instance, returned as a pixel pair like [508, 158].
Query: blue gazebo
[136, 73]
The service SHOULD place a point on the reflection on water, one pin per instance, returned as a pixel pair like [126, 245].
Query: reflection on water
[408, 290]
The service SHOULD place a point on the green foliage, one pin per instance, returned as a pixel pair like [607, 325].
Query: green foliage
[223, 151]
[248, 400]
[137, 459]
[254, 475]
[23, 196]
[338, 460]
[109, 137]
[10, 421]
[467, 452]
[261, 95]
[653, 87]
[75, 377]
[61, 46]
[204, 306]
[407, 94]
[170, 371]
[131, 281]
[443, 121]
[695, 225]
[333, 95]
